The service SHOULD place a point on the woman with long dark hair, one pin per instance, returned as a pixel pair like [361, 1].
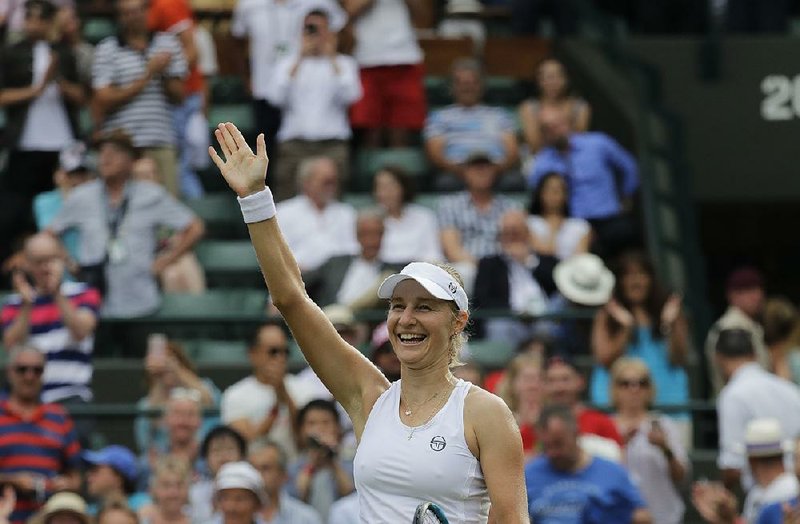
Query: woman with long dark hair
[554, 232]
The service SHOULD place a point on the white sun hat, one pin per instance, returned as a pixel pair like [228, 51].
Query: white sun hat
[241, 475]
[434, 279]
[584, 279]
[763, 438]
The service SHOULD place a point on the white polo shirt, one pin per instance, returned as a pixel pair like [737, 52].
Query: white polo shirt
[385, 36]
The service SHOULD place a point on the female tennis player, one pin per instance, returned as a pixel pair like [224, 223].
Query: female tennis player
[426, 437]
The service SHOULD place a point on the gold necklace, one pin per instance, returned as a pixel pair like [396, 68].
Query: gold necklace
[424, 424]
[408, 410]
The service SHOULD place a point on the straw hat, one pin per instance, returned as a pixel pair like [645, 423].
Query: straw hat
[64, 502]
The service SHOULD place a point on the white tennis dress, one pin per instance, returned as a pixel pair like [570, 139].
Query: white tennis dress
[394, 473]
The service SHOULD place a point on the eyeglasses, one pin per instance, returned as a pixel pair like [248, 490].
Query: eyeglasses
[641, 383]
[278, 351]
[22, 370]
[181, 393]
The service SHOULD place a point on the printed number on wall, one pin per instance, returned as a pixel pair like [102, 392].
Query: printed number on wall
[781, 97]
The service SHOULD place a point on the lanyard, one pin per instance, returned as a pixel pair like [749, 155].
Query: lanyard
[115, 217]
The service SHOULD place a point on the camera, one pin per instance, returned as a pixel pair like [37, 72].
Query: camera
[314, 443]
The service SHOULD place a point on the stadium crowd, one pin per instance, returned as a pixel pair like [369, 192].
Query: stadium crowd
[101, 226]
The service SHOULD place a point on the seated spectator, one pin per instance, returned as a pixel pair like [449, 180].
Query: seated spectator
[470, 220]
[53, 464]
[345, 510]
[116, 511]
[270, 461]
[167, 368]
[411, 230]
[470, 371]
[315, 224]
[643, 321]
[781, 338]
[453, 133]
[112, 474]
[314, 90]
[263, 405]
[118, 252]
[169, 489]
[536, 346]
[567, 485]
[509, 280]
[744, 292]
[554, 90]
[62, 508]
[555, 233]
[591, 162]
[522, 390]
[750, 392]
[320, 476]
[69, 33]
[784, 511]
[239, 494]
[383, 356]
[654, 453]
[221, 446]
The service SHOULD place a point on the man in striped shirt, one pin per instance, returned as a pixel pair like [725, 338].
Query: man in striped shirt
[39, 450]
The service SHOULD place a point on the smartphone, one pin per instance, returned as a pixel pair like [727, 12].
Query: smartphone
[157, 345]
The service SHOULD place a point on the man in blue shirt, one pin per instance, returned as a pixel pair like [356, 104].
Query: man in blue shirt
[568, 486]
[601, 175]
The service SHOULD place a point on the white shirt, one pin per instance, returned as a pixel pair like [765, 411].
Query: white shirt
[567, 238]
[412, 237]
[525, 294]
[753, 392]
[47, 125]
[783, 488]
[252, 400]
[313, 235]
[357, 280]
[345, 510]
[385, 36]
[316, 99]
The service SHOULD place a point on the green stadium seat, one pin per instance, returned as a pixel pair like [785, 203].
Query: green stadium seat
[229, 263]
[409, 158]
[227, 89]
[221, 214]
[296, 359]
[490, 354]
[96, 29]
[213, 304]
[437, 90]
[239, 114]
[503, 91]
[2, 119]
[359, 200]
[205, 351]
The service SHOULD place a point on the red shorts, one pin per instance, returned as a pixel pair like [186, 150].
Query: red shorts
[394, 97]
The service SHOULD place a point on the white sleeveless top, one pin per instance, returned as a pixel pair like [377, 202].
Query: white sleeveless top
[393, 473]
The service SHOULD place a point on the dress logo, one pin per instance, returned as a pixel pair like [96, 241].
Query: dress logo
[438, 443]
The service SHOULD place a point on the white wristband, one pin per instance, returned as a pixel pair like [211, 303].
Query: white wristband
[258, 206]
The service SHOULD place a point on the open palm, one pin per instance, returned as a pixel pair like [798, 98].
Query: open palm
[243, 171]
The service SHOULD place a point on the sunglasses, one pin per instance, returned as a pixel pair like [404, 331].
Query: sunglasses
[22, 370]
[278, 351]
[641, 383]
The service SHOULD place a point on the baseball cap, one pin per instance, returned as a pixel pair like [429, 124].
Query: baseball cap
[434, 279]
[120, 458]
[240, 475]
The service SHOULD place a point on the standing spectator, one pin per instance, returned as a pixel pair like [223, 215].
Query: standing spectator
[567, 485]
[556, 233]
[313, 90]
[62, 508]
[112, 474]
[522, 390]
[12, 19]
[118, 250]
[239, 493]
[392, 73]
[53, 464]
[315, 224]
[68, 30]
[42, 95]
[220, 446]
[411, 230]
[591, 162]
[262, 405]
[453, 133]
[744, 291]
[654, 454]
[643, 321]
[554, 90]
[270, 460]
[136, 76]
[780, 337]
[750, 392]
[169, 489]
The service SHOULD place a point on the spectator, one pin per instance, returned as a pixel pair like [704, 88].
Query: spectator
[112, 475]
[563, 385]
[536, 346]
[220, 446]
[58, 318]
[313, 90]
[270, 461]
[554, 90]
[53, 464]
[556, 233]
[454, 133]
[383, 355]
[41, 93]
[63, 508]
[784, 511]
[345, 510]
[745, 294]
[470, 371]
[118, 251]
[239, 493]
[169, 489]
[316, 225]
[411, 231]
[263, 405]
[168, 368]
[750, 392]
[320, 476]
[136, 76]
[654, 454]
[522, 390]
[780, 337]
[509, 280]
[68, 30]
[116, 511]
[392, 72]
[469, 220]
[643, 321]
[567, 485]
[176, 17]
[591, 162]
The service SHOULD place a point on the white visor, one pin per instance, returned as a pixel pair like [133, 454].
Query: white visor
[434, 279]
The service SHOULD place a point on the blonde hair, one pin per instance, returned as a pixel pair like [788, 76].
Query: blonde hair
[457, 340]
[172, 465]
[636, 365]
[505, 389]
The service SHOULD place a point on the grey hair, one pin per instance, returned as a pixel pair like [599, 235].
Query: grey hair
[467, 64]
[371, 213]
[259, 446]
[557, 412]
[306, 169]
[19, 349]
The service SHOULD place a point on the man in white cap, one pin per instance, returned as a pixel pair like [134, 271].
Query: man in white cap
[239, 493]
